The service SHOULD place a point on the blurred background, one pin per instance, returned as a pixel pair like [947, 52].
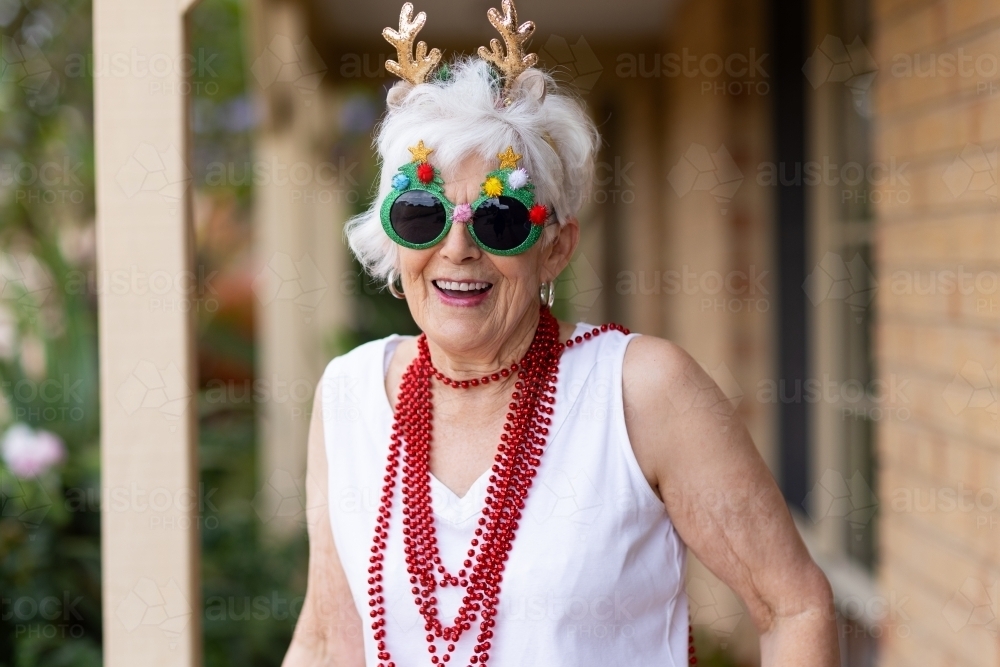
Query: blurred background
[801, 194]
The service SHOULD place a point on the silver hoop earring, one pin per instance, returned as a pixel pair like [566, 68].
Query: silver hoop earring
[396, 291]
[547, 293]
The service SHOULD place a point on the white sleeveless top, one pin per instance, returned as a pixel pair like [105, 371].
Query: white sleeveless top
[595, 576]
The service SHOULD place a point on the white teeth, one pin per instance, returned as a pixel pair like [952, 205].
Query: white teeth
[461, 287]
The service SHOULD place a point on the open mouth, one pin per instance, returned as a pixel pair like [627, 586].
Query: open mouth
[462, 289]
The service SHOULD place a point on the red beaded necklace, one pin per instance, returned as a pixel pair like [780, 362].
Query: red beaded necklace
[475, 382]
[518, 456]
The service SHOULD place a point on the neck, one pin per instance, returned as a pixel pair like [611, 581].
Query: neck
[500, 352]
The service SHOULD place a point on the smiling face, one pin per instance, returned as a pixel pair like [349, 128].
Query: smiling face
[469, 301]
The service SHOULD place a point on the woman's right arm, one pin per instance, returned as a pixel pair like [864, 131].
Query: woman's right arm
[328, 631]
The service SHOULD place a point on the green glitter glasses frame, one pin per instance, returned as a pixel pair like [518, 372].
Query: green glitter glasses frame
[503, 220]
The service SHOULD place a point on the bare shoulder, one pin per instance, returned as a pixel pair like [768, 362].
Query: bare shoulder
[658, 371]
[666, 359]
[675, 413]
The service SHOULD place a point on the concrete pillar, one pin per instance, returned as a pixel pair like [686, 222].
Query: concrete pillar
[149, 531]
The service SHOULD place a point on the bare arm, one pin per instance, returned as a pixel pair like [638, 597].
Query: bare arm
[328, 632]
[724, 503]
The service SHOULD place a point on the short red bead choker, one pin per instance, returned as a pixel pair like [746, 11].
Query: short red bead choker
[518, 457]
[505, 372]
[475, 382]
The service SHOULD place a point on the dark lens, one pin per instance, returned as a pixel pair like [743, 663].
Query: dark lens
[417, 216]
[501, 223]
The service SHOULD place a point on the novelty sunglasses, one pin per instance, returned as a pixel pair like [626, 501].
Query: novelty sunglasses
[503, 220]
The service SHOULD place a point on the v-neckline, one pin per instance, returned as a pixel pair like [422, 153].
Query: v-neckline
[464, 506]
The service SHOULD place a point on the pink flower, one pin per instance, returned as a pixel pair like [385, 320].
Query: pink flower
[463, 213]
[30, 453]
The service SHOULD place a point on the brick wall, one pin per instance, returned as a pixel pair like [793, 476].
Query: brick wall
[937, 107]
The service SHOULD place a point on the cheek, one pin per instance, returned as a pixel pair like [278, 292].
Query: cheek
[522, 270]
[413, 262]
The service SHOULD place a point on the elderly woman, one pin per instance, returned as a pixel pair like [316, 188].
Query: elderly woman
[505, 488]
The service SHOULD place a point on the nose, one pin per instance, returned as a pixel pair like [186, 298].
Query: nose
[458, 246]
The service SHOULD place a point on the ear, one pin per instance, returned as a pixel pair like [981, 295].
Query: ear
[531, 84]
[398, 93]
[558, 253]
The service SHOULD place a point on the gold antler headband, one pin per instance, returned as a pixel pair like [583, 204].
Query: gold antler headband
[510, 58]
[412, 67]
[512, 61]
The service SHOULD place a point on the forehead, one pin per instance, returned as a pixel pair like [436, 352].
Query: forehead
[464, 178]
[470, 166]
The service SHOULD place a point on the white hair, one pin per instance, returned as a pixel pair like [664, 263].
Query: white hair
[459, 116]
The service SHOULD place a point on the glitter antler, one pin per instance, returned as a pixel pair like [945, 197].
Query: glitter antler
[412, 67]
[511, 61]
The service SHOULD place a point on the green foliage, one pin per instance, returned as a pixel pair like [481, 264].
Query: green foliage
[252, 587]
[49, 525]
[221, 109]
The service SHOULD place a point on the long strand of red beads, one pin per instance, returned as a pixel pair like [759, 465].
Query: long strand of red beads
[518, 457]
